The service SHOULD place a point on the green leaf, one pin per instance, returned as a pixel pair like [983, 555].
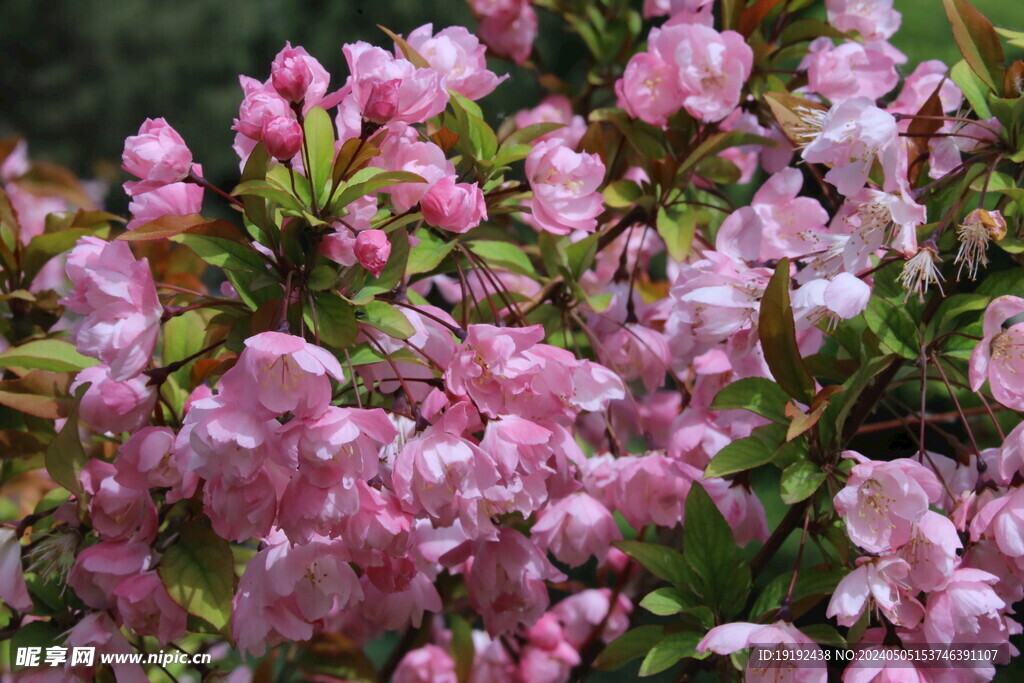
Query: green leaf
[319, 139]
[580, 255]
[978, 42]
[42, 248]
[622, 194]
[799, 481]
[739, 456]
[503, 255]
[41, 634]
[321, 277]
[893, 326]
[627, 647]
[662, 561]
[954, 306]
[756, 394]
[198, 572]
[65, 456]
[428, 254]
[777, 332]
[334, 320]
[476, 138]
[677, 227]
[670, 650]
[370, 180]
[528, 134]
[271, 191]
[387, 319]
[221, 252]
[721, 577]
[666, 601]
[46, 354]
[182, 336]
[972, 88]
[463, 651]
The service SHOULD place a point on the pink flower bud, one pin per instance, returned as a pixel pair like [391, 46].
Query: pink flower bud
[373, 250]
[282, 137]
[453, 206]
[295, 73]
[382, 101]
[157, 155]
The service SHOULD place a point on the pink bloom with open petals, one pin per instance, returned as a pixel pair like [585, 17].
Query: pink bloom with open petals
[729, 638]
[402, 152]
[157, 155]
[508, 27]
[13, 590]
[883, 500]
[456, 54]
[652, 489]
[564, 184]
[458, 207]
[999, 356]
[873, 19]
[100, 568]
[298, 77]
[506, 581]
[575, 528]
[1002, 520]
[635, 351]
[881, 580]
[581, 612]
[243, 509]
[176, 199]
[967, 610]
[555, 109]
[427, 664]
[146, 460]
[648, 89]
[98, 631]
[547, 657]
[109, 406]
[387, 89]
[117, 512]
[849, 70]
[932, 552]
[146, 608]
[220, 438]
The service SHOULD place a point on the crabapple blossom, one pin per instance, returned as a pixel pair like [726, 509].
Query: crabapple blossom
[403, 152]
[145, 606]
[372, 249]
[575, 528]
[999, 356]
[387, 89]
[508, 27]
[427, 664]
[849, 70]
[458, 207]
[554, 109]
[157, 155]
[282, 137]
[457, 55]
[13, 590]
[729, 638]
[176, 199]
[564, 185]
[298, 77]
[115, 511]
[873, 19]
[881, 581]
[110, 406]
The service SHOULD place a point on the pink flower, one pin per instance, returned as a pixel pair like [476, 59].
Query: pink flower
[427, 664]
[157, 155]
[546, 656]
[652, 489]
[117, 296]
[32, 210]
[725, 285]
[458, 56]
[402, 152]
[840, 298]
[575, 528]
[555, 109]
[379, 524]
[564, 184]
[146, 460]
[110, 406]
[243, 509]
[919, 86]
[667, 8]
[848, 70]
[100, 568]
[740, 507]
[117, 512]
[146, 608]
[286, 590]
[13, 590]
[386, 89]
[97, 630]
[221, 438]
[282, 373]
[581, 612]
[873, 19]
[261, 102]
[1002, 520]
[372, 248]
[932, 552]
[176, 199]
[635, 351]
[710, 67]
[298, 77]
[282, 137]
[729, 638]
[883, 580]
[999, 356]
[506, 581]
[967, 610]
[883, 500]
[509, 27]
[853, 133]
[458, 207]
[648, 89]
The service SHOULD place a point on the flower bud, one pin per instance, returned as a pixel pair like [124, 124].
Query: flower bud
[382, 102]
[458, 207]
[282, 136]
[373, 250]
[292, 73]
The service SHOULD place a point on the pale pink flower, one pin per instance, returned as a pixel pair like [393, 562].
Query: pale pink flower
[881, 581]
[873, 19]
[967, 610]
[848, 70]
[506, 579]
[883, 500]
[97, 630]
[740, 507]
[1011, 455]
[100, 568]
[665, 8]
[403, 152]
[221, 438]
[718, 296]
[176, 199]
[729, 638]
[652, 489]
[282, 136]
[564, 185]
[379, 524]
[554, 109]
[286, 590]
[146, 608]
[546, 656]
[851, 136]
[1002, 520]
[298, 77]
[261, 102]
[575, 528]
[840, 298]
[146, 460]
[157, 155]
[387, 89]
[372, 249]
[457, 207]
[921, 84]
[509, 27]
[243, 509]
[427, 664]
[117, 512]
[581, 612]
[118, 298]
[648, 89]
[283, 373]
[109, 406]
[456, 54]
[13, 590]
[397, 607]
[637, 352]
[999, 356]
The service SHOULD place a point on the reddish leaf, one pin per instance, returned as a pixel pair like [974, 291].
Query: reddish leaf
[978, 41]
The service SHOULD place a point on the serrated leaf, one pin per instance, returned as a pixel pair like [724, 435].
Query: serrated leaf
[669, 650]
[662, 561]
[334, 322]
[387, 319]
[627, 647]
[893, 326]
[739, 456]
[46, 354]
[799, 481]
[756, 394]
[777, 332]
[198, 573]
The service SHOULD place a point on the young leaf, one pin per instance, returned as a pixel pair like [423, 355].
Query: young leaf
[777, 333]
[334, 320]
[319, 140]
[739, 456]
[677, 227]
[627, 647]
[387, 319]
[978, 41]
[799, 481]
[756, 394]
[662, 561]
[670, 650]
[428, 254]
[46, 354]
[198, 572]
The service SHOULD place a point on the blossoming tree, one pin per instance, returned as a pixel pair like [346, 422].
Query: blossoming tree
[435, 401]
